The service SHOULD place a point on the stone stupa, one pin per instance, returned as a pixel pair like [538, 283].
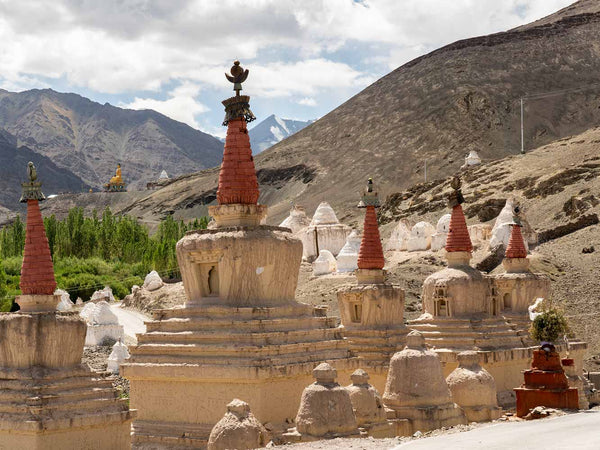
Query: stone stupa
[462, 310]
[416, 393]
[241, 333]
[372, 311]
[49, 399]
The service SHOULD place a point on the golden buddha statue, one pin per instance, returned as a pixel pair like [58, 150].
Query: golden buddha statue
[117, 178]
[116, 183]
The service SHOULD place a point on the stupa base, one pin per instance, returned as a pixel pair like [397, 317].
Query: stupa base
[61, 409]
[427, 418]
[193, 361]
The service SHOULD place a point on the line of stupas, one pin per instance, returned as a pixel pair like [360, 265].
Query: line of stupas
[243, 346]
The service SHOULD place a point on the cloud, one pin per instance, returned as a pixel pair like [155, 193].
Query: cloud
[307, 101]
[181, 104]
[296, 50]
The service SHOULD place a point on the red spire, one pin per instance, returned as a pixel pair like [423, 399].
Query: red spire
[237, 179]
[458, 239]
[370, 255]
[37, 271]
[516, 246]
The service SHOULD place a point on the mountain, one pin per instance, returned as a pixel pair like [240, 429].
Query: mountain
[13, 172]
[89, 139]
[435, 109]
[273, 130]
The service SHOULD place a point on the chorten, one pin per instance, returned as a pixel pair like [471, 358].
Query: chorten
[438, 239]
[416, 390]
[297, 221]
[372, 312]
[116, 183]
[518, 287]
[545, 384]
[462, 311]
[49, 399]
[241, 333]
[325, 232]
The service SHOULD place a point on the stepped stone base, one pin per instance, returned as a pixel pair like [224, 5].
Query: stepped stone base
[193, 361]
[426, 418]
[45, 406]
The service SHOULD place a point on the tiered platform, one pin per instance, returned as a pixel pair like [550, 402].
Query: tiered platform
[262, 355]
[481, 333]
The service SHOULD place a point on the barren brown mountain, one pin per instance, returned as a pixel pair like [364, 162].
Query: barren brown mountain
[89, 139]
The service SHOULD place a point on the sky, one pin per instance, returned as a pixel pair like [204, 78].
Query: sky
[305, 57]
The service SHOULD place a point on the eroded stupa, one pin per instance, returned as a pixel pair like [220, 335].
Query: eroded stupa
[297, 221]
[465, 310]
[241, 333]
[372, 311]
[416, 394]
[49, 399]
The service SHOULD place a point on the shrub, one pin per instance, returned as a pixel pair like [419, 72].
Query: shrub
[549, 325]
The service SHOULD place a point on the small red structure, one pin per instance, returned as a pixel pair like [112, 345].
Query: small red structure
[516, 246]
[545, 384]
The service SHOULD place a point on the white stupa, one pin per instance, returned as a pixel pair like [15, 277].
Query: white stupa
[438, 239]
[472, 159]
[163, 175]
[103, 325]
[297, 221]
[325, 232]
[117, 356]
[502, 226]
[324, 264]
[420, 237]
[65, 303]
[398, 240]
[347, 259]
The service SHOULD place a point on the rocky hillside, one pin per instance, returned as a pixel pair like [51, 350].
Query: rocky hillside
[89, 139]
[13, 172]
[436, 108]
[273, 130]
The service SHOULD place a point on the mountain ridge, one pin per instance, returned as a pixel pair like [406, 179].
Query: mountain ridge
[89, 138]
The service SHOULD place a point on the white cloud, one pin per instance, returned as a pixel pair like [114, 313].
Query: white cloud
[181, 104]
[307, 101]
[125, 47]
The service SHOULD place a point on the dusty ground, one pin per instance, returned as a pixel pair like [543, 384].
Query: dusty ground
[376, 444]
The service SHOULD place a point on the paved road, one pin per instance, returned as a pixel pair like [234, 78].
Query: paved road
[132, 321]
[579, 431]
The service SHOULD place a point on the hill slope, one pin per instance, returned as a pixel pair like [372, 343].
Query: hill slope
[438, 107]
[89, 139]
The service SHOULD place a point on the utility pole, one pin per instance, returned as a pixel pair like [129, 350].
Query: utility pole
[425, 171]
[522, 140]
